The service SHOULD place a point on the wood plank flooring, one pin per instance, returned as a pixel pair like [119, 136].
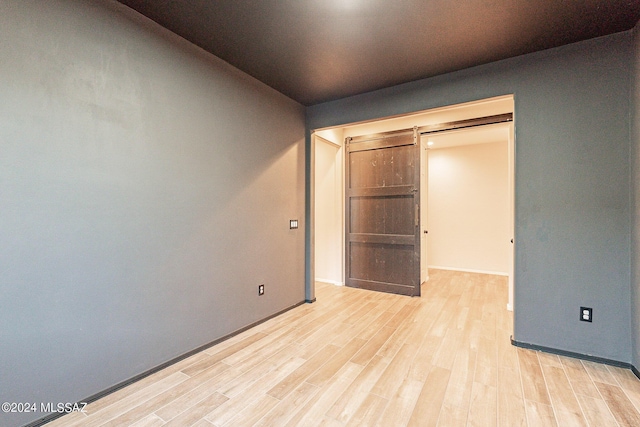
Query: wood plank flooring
[360, 358]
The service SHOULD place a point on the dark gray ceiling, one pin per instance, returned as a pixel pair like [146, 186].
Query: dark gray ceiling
[320, 50]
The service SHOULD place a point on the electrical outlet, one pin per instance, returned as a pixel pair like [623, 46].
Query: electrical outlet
[586, 314]
[293, 224]
[260, 289]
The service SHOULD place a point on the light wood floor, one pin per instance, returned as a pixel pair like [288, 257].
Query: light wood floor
[359, 358]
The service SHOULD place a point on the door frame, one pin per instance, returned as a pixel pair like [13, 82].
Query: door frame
[424, 204]
[380, 123]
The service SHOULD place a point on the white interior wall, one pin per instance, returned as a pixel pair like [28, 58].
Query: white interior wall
[468, 223]
[328, 212]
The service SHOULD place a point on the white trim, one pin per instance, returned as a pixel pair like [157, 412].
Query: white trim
[328, 141]
[330, 282]
[470, 270]
[509, 307]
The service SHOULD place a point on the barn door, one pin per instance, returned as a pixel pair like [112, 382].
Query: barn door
[382, 215]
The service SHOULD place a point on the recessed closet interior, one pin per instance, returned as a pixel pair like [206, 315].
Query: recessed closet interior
[469, 207]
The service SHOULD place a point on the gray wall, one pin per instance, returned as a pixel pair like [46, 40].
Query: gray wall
[572, 182]
[635, 199]
[146, 189]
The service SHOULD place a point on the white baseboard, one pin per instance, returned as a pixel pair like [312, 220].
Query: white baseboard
[470, 270]
[331, 282]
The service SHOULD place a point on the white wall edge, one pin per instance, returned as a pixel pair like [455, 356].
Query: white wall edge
[328, 138]
[331, 282]
[470, 270]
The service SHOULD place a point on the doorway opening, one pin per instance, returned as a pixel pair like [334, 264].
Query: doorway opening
[329, 211]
